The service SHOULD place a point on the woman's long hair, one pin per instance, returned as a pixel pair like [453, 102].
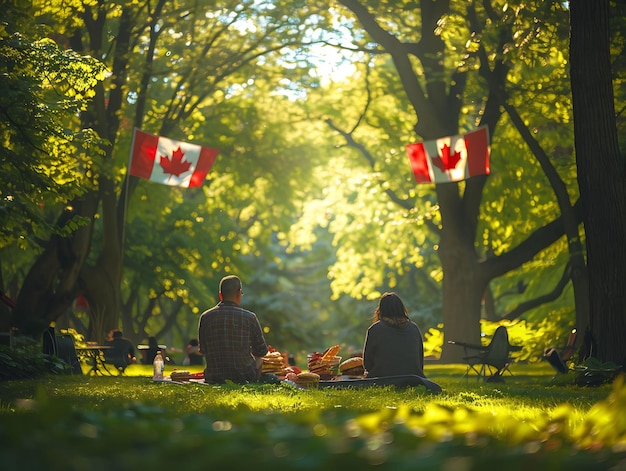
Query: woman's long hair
[391, 310]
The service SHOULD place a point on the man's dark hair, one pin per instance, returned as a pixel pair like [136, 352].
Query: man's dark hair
[229, 286]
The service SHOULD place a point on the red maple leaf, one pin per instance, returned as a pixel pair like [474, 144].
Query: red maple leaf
[447, 161]
[176, 165]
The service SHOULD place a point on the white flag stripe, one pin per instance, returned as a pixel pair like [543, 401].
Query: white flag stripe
[166, 148]
[452, 158]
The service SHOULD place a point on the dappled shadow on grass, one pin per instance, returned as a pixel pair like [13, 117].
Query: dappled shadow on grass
[132, 422]
[57, 435]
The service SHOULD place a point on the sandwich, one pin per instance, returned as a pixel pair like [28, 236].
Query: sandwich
[352, 367]
[273, 362]
[180, 375]
[308, 379]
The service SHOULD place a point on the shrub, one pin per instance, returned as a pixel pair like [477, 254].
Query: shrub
[27, 362]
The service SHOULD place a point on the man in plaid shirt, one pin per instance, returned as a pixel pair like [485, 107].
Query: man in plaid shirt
[231, 338]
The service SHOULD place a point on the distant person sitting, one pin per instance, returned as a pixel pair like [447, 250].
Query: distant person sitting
[193, 356]
[123, 352]
[153, 348]
[393, 344]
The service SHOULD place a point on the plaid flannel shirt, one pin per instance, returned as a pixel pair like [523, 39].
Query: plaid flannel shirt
[230, 337]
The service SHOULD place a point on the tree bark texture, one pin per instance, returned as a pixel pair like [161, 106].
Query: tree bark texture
[50, 286]
[601, 173]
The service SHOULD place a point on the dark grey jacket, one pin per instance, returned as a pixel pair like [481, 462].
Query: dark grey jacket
[390, 350]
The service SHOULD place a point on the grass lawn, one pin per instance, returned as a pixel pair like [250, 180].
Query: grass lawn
[130, 422]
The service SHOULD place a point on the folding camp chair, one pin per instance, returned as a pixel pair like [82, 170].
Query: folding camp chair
[558, 358]
[66, 351]
[494, 359]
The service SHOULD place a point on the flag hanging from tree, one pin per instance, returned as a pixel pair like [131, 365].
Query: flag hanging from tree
[170, 162]
[451, 159]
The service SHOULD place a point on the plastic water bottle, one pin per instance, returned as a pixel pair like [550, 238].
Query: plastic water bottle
[159, 366]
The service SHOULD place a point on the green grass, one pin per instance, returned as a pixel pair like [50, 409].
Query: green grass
[130, 422]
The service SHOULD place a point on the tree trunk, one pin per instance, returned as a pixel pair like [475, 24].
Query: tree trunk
[50, 285]
[462, 295]
[463, 284]
[600, 175]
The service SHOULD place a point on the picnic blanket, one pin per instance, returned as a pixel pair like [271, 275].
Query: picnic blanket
[399, 381]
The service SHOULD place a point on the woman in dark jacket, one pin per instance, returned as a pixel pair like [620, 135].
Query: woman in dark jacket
[393, 343]
[153, 349]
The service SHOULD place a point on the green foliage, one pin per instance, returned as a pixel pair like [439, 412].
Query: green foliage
[433, 341]
[45, 158]
[27, 363]
[401, 233]
[132, 422]
[304, 219]
[590, 372]
[214, 77]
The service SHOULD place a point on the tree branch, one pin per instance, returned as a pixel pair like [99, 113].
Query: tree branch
[546, 298]
[537, 241]
[399, 56]
[404, 203]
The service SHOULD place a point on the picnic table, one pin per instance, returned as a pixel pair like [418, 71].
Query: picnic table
[93, 355]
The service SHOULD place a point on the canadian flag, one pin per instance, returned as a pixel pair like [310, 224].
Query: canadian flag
[170, 162]
[451, 159]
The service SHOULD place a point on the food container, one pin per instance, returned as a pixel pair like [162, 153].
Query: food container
[334, 365]
[180, 375]
[326, 368]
